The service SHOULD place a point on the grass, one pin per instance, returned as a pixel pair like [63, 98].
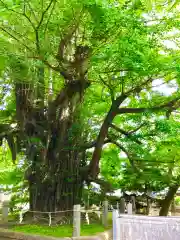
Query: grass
[59, 231]
[63, 230]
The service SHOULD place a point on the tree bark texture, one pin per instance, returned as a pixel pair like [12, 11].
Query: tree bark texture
[168, 200]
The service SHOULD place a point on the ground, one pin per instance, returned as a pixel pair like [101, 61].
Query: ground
[63, 230]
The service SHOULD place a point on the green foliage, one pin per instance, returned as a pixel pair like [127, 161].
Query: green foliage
[177, 201]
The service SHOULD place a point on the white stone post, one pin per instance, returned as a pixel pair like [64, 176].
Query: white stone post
[116, 225]
[105, 214]
[77, 221]
[129, 208]
[5, 209]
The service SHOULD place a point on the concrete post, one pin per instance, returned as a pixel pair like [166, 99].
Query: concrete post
[77, 221]
[129, 208]
[105, 214]
[5, 209]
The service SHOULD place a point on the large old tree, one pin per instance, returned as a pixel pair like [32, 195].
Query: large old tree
[61, 61]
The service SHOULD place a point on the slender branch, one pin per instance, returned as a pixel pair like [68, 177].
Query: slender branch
[31, 9]
[136, 129]
[124, 150]
[4, 30]
[43, 14]
[108, 86]
[103, 183]
[127, 134]
[55, 68]
[26, 16]
[49, 17]
[20, 35]
[19, 13]
[92, 144]
[6, 6]
[117, 70]
[163, 107]
[139, 88]
[32, 50]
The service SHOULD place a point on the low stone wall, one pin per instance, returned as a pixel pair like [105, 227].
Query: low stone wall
[9, 235]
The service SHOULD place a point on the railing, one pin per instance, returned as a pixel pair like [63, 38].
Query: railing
[133, 227]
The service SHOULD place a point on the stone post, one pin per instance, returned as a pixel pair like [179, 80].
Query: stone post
[105, 214]
[129, 208]
[77, 221]
[5, 209]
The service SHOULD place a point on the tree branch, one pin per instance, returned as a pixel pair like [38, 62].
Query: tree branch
[136, 129]
[43, 14]
[127, 134]
[92, 144]
[124, 150]
[15, 38]
[55, 68]
[6, 6]
[163, 107]
[26, 16]
[108, 86]
[31, 9]
[103, 183]
[94, 164]
[49, 17]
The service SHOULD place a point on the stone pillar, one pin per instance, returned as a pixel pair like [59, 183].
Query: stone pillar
[129, 209]
[77, 221]
[105, 214]
[5, 209]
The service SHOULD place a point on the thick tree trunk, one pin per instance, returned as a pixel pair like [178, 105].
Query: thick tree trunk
[55, 180]
[50, 133]
[167, 201]
[55, 194]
